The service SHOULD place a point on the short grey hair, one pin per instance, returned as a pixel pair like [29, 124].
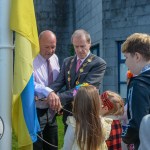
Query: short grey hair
[80, 33]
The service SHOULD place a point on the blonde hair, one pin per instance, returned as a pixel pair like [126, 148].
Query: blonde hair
[86, 110]
[115, 102]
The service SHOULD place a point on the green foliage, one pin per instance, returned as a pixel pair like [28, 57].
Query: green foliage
[71, 50]
[60, 132]
[60, 135]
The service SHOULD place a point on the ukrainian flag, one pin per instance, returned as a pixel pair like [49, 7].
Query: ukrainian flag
[24, 117]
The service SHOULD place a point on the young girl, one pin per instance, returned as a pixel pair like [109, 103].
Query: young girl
[113, 107]
[86, 129]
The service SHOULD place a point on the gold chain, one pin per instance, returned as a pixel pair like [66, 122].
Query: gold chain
[80, 70]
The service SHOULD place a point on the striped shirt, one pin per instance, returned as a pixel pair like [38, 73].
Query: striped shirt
[40, 73]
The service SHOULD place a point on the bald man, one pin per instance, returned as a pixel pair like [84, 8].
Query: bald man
[46, 69]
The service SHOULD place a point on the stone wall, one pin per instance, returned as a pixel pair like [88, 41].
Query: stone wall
[108, 21]
[57, 16]
[120, 19]
[89, 17]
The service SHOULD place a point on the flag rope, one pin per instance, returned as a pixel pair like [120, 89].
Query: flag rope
[45, 140]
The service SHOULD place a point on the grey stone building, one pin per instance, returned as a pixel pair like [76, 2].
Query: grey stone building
[108, 21]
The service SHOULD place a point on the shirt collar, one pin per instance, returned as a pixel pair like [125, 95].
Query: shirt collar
[113, 117]
[145, 68]
[82, 60]
[42, 58]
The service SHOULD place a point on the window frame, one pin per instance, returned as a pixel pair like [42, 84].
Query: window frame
[120, 61]
[95, 47]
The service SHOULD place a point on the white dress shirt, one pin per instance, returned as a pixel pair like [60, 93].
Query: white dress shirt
[82, 60]
[40, 73]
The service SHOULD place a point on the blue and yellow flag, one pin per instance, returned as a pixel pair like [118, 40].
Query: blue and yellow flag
[24, 117]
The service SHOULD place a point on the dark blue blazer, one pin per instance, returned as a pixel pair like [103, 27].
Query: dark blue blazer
[92, 73]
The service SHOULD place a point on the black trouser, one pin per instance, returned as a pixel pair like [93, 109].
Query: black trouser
[66, 114]
[49, 131]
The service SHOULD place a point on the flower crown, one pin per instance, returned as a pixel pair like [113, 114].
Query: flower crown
[129, 74]
[78, 86]
[106, 101]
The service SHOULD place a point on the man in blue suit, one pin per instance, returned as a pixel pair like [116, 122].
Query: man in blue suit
[83, 67]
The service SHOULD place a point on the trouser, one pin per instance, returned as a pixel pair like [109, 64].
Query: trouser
[66, 114]
[49, 131]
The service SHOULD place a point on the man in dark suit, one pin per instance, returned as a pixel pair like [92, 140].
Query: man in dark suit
[83, 67]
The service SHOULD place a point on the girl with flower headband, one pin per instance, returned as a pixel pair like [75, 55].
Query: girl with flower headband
[113, 107]
[86, 129]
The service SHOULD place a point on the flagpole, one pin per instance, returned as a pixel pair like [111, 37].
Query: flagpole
[6, 76]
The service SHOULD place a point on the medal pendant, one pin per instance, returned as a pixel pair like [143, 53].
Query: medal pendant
[89, 60]
[77, 82]
[81, 70]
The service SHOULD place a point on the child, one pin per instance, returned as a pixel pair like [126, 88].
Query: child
[136, 50]
[113, 107]
[124, 118]
[86, 129]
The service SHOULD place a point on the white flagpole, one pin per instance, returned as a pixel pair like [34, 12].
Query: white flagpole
[6, 76]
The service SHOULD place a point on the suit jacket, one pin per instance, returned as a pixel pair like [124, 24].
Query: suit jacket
[92, 73]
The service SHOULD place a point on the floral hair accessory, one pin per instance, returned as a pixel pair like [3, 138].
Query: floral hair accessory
[78, 86]
[129, 74]
[106, 101]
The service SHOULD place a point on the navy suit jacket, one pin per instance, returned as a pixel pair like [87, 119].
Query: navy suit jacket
[92, 73]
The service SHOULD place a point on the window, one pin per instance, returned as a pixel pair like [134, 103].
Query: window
[122, 69]
[95, 49]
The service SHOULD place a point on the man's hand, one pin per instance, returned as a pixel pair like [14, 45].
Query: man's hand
[60, 112]
[54, 101]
